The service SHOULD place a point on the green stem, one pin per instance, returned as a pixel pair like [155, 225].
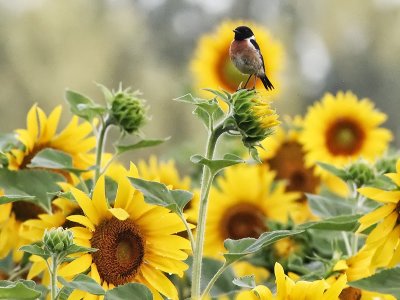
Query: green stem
[214, 279]
[189, 231]
[100, 149]
[53, 276]
[206, 182]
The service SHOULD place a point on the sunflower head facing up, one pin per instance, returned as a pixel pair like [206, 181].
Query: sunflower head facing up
[212, 67]
[341, 128]
[136, 242]
[41, 132]
[246, 198]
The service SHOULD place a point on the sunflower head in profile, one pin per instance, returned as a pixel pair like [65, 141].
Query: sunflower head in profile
[136, 241]
[41, 132]
[283, 153]
[212, 67]
[341, 128]
[246, 198]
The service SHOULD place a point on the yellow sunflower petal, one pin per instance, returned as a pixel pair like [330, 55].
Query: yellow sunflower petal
[119, 213]
[86, 204]
[334, 291]
[82, 220]
[160, 282]
[380, 195]
[77, 266]
[395, 177]
[375, 216]
[263, 292]
[382, 230]
[99, 198]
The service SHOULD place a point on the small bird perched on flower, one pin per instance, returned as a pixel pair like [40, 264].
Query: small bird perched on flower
[246, 56]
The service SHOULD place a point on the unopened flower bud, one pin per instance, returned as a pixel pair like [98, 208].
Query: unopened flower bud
[58, 239]
[360, 173]
[128, 111]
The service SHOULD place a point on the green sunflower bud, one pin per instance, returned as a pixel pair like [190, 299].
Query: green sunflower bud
[128, 111]
[360, 173]
[57, 240]
[254, 117]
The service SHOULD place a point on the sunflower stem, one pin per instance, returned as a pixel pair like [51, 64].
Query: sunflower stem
[189, 231]
[53, 276]
[214, 279]
[100, 148]
[206, 182]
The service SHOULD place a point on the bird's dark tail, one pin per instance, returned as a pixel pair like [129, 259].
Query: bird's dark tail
[268, 85]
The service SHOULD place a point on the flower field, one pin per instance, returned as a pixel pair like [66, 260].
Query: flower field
[301, 207]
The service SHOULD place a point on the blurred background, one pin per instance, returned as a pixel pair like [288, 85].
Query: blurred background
[49, 45]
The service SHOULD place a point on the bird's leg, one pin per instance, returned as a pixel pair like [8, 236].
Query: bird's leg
[247, 81]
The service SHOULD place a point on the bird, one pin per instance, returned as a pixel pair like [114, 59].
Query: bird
[245, 54]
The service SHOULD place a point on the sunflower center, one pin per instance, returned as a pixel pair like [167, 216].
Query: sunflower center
[288, 162]
[350, 293]
[243, 220]
[344, 137]
[26, 210]
[227, 73]
[121, 250]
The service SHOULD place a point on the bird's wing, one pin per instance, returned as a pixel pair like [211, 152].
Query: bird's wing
[253, 41]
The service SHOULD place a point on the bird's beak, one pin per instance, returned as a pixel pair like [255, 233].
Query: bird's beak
[235, 31]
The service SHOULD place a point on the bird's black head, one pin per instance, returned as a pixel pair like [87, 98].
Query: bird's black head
[242, 32]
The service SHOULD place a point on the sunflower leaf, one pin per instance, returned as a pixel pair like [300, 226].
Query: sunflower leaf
[23, 289]
[141, 144]
[158, 194]
[330, 205]
[33, 185]
[342, 174]
[216, 165]
[36, 249]
[338, 223]
[247, 282]
[78, 249]
[385, 282]
[83, 106]
[237, 249]
[53, 159]
[131, 291]
[83, 283]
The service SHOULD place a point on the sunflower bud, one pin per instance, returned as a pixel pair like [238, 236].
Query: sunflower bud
[128, 111]
[57, 240]
[253, 116]
[360, 173]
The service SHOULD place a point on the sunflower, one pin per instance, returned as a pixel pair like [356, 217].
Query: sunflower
[12, 215]
[246, 199]
[284, 154]
[133, 247]
[384, 238]
[287, 289]
[342, 128]
[212, 67]
[75, 139]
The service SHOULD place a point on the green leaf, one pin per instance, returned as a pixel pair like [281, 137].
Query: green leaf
[158, 194]
[131, 291]
[83, 106]
[79, 249]
[216, 165]
[141, 144]
[108, 95]
[53, 159]
[20, 290]
[330, 206]
[83, 283]
[338, 223]
[32, 185]
[247, 282]
[225, 96]
[36, 249]
[7, 141]
[333, 170]
[385, 282]
[16, 197]
[240, 248]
